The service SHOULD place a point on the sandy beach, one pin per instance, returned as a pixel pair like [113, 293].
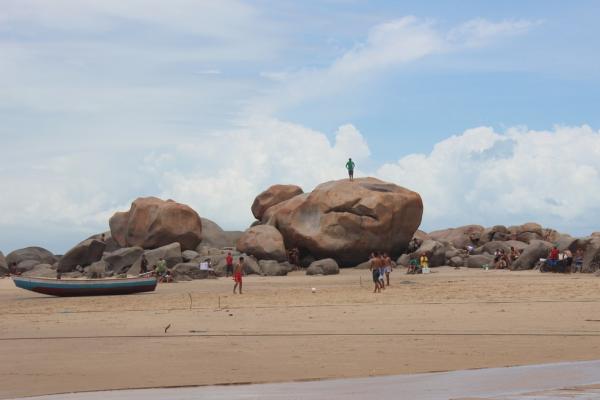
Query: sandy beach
[279, 331]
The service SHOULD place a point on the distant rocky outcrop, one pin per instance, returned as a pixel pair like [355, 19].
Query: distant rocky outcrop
[347, 220]
[151, 223]
[25, 259]
[3, 265]
[273, 196]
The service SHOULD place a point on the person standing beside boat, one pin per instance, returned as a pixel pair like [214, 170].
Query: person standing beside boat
[143, 265]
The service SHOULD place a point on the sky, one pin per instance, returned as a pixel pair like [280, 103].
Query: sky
[488, 109]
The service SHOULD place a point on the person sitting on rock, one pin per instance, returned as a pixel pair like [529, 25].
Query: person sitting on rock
[161, 269]
[514, 254]
[413, 265]
[350, 167]
[501, 263]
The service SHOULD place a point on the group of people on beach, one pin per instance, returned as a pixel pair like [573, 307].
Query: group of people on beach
[380, 265]
[563, 261]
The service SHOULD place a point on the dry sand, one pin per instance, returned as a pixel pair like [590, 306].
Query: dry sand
[278, 330]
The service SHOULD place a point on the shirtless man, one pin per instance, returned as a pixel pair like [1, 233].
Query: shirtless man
[237, 275]
[374, 268]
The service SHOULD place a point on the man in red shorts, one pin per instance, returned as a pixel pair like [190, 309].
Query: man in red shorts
[237, 275]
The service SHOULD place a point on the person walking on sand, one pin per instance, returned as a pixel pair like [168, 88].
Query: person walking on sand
[228, 265]
[388, 267]
[350, 167]
[237, 275]
[374, 268]
[381, 271]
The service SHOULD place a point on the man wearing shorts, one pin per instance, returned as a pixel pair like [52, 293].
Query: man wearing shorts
[237, 275]
[374, 268]
[228, 265]
[350, 167]
[388, 267]
[381, 271]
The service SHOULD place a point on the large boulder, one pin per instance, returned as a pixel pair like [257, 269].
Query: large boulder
[188, 271]
[82, 254]
[189, 255]
[478, 261]
[274, 268]
[264, 242]
[39, 254]
[347, 220]
[171, 253]
[460, 237]
[3, 265]
[106, 237]
[272, 196]
[531, 255]
[97, 270]
[121, 260]
[527, 232]
[214, 236]
[41, 271]
[151, 223]
[25, 266]
[491, 247]
[327, 266]
[496, 233]
[591, 254]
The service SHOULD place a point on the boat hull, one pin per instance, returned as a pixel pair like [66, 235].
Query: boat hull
[92, 287]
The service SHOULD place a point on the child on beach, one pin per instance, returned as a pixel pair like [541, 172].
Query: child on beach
[237, 275]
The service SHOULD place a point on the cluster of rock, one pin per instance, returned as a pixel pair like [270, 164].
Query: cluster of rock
[448, 247]
[336, 225]
[152, 227]
[339, 222]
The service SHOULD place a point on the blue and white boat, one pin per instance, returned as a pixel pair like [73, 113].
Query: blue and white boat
[86, 287]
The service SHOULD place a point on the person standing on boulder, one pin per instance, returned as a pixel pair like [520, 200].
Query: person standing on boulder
[237, 275]
[350, 167]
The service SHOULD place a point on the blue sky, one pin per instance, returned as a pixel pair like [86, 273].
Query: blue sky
[211, 102]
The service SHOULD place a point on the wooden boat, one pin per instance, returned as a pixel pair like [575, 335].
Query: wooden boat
[86, 287]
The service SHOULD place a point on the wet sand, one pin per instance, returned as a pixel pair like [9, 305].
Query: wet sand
[280, 331]
[514, 383]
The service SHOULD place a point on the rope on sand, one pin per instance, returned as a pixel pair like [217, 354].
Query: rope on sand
[308, 334]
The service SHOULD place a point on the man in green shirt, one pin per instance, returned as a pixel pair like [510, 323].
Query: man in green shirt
[350, 168]
[161, 269]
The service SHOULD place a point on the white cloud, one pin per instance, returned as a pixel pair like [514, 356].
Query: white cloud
[481, 176]
[479, 31]
[388, 45]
